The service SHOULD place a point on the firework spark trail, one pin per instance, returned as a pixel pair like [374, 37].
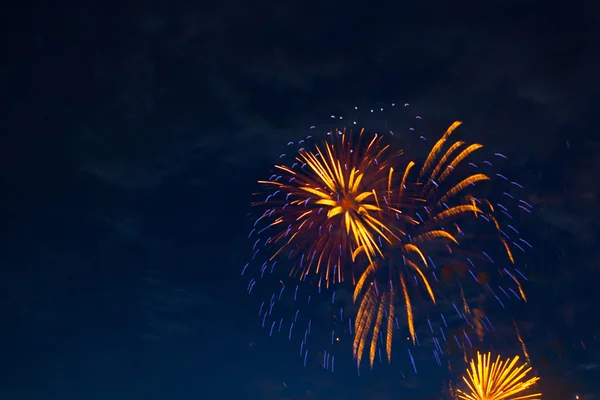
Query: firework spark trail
[523, 346]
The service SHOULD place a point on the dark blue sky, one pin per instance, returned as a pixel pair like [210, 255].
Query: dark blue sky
[133, 135]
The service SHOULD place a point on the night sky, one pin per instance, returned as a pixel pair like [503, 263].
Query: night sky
[133, 135]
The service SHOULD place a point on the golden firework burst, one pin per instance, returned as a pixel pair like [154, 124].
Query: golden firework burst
[326, 206]
[498, 380]
[441, 190]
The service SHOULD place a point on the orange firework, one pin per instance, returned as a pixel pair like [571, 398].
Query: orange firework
[350, 209]
[325, 208]
[430, 204]
[498, 380]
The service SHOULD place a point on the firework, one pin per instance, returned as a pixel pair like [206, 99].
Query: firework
[498, 380]
[350, 216]
[324, 208]
[431, 203]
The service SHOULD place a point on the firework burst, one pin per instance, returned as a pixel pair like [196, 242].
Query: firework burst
[324, 208]
[432, 203]
[349, 214]
[498, 380]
